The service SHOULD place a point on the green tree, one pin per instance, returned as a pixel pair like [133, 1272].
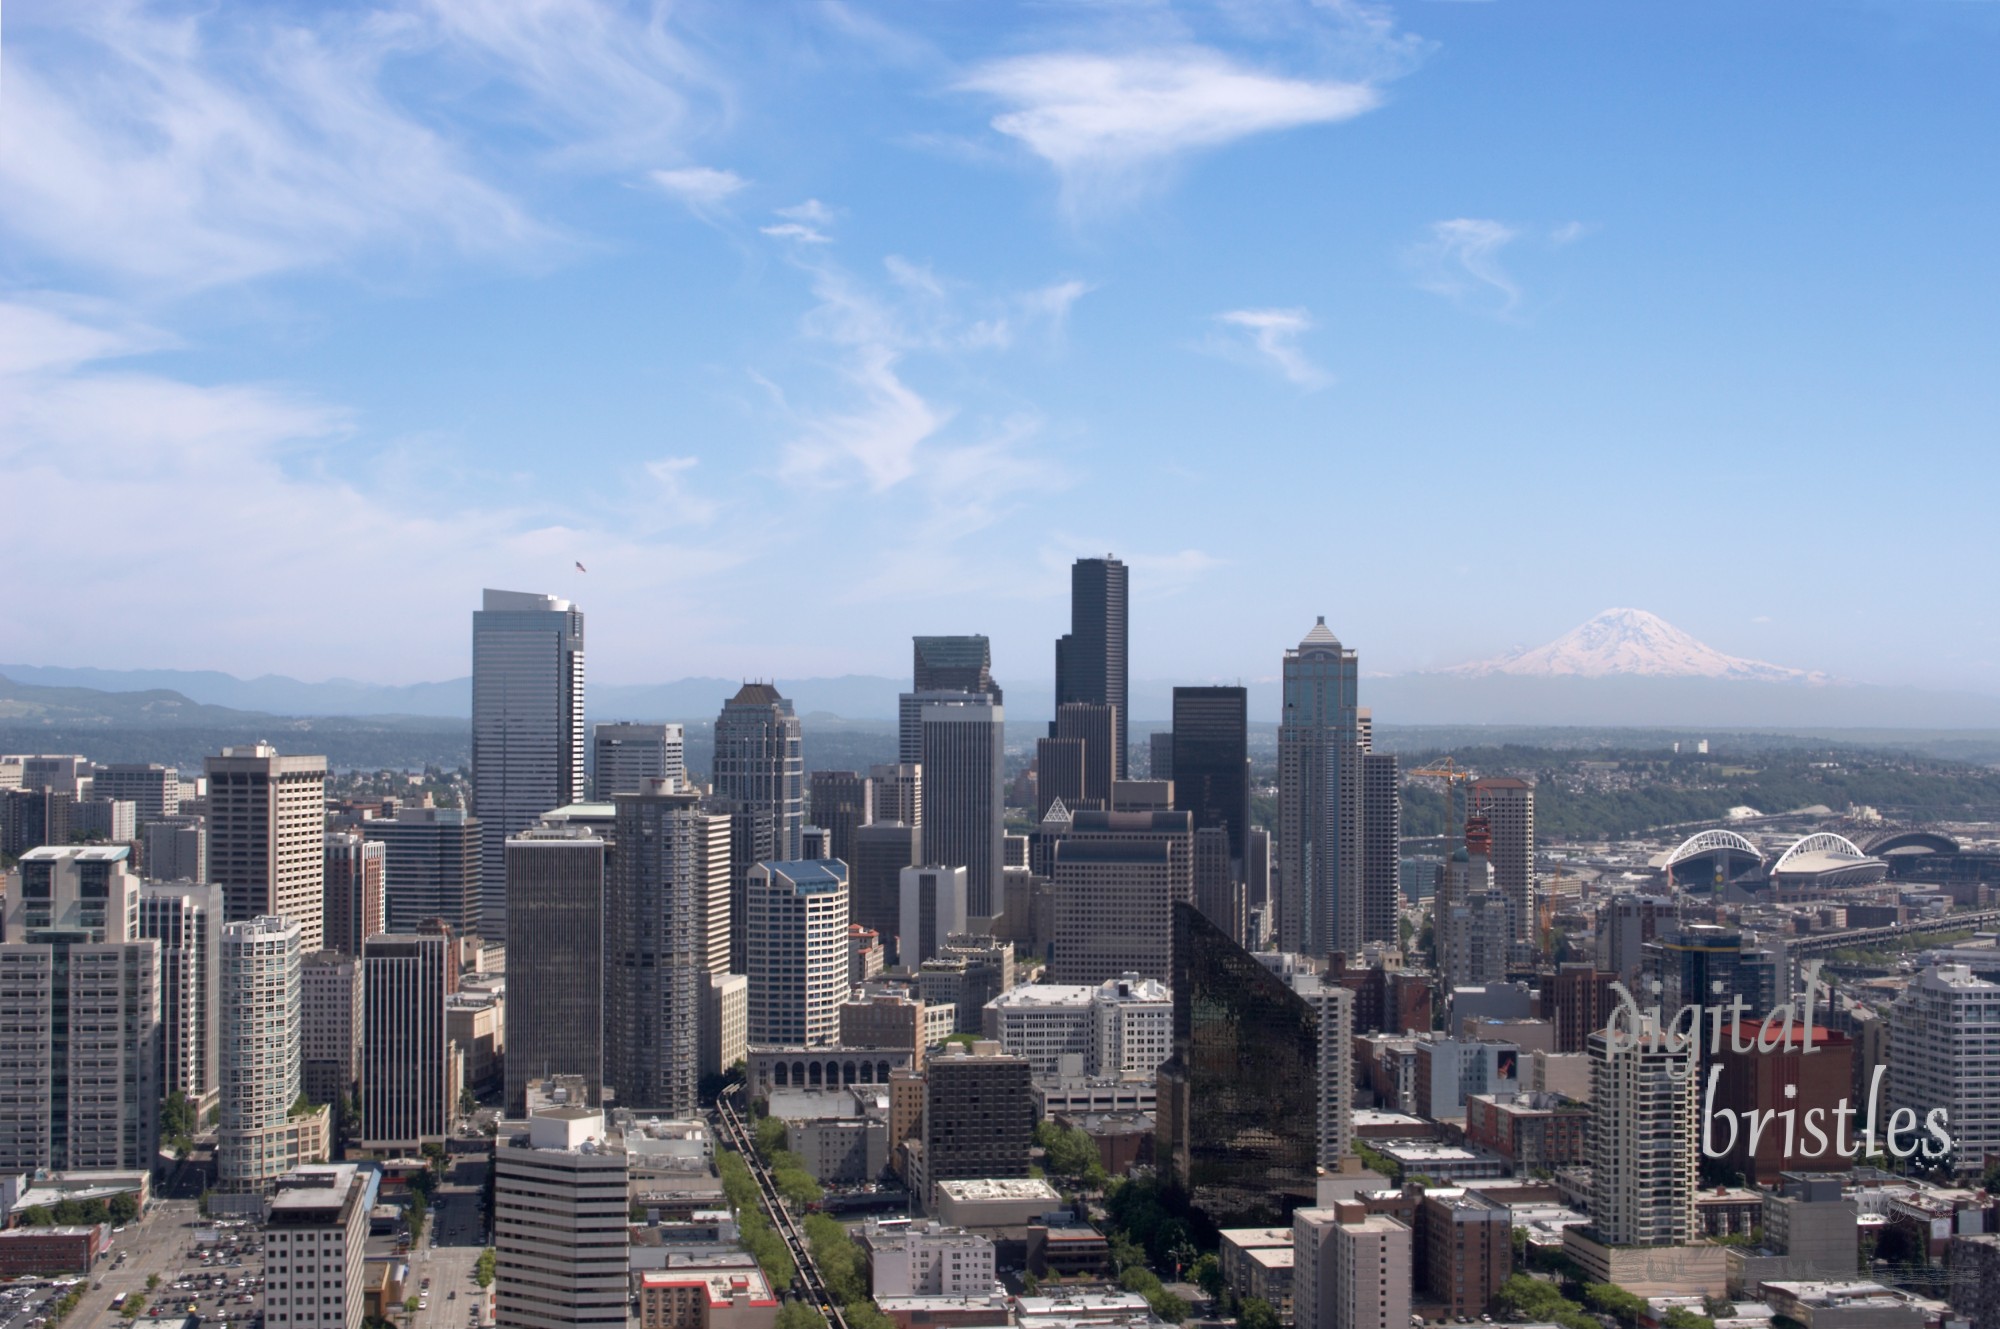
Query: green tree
[1610, 1299]
[484, 1267]
[179, 1121]
[1206, 1274]
[152, 1281]
[769, 1138]
[123, 1207]
[411, 1303]
[38, 1215]
[468, 1102]
[1681, 1318]
[1256, 1314]
[798, 1315]
[132, 1306]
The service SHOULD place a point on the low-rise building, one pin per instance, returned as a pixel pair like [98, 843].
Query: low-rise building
[927, 1259]
[1534, 1132]
[1468, 1251]
[705, 1299]
[994, 1202]
[1257, 1262]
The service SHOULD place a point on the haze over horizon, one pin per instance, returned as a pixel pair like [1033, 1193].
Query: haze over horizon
[811, 333]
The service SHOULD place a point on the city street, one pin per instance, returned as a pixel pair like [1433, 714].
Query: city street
[453, 1239]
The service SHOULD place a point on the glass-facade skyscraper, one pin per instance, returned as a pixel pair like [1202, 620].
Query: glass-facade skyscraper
[1092, 662]
[1318, 803]
[527, 727]
[1211, 762]
[1239, 1101]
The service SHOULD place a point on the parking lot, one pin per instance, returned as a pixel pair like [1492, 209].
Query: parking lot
[24, 1304]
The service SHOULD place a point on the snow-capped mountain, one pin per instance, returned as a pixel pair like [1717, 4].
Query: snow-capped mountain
[1631, 642]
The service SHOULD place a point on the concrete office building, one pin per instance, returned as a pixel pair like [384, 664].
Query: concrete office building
[154, 791]
[1118, 876]
[176, 848]
[330, 1025]
[527, 726]
[797, 942]
[431, 869]
[267, 837]
[898, 791]
[655, 969]
[555, 958]
[1059, 774]
[1092, 658]
[921, 1259]
[1350, 1269]
[1318, 753]
[80, 1042]
[315, 1247]
[1644, 1139]
[352, 911]
[1943, 1054]
[1217, 892]
[1093, 726]
[407, 1094]
[625, 756]
[725, 1022]
[186, 919]
[1160, 748]
[759, 761]
[933, 910]
[261, 1053]
[559, 1222]
[978, 1116]
[842, 803]
[964, 791]
[113, 821]
[753, 839]
[1508, 805]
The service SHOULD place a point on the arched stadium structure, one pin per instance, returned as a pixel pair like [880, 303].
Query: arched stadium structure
[1712, 860]
[1824, 860]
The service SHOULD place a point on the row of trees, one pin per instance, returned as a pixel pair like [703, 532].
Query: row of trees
[122, 1208]
[759, 1237]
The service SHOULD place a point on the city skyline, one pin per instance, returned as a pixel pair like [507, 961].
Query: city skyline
[898, 278]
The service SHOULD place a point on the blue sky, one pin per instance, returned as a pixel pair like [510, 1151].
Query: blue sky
[807, 327]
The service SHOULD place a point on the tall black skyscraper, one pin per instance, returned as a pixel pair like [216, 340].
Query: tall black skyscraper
[1091, 660]
[1212, 763]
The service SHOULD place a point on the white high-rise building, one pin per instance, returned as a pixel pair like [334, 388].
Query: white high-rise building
[527, 727]
[261, 1052]
[1350, 1269]
[625, 756]
[1944, 1052]
[315, 1243]
[1132, 1026]
[330, 1025]
[186, 920]
[931, 907]
[79, 1015]
[1509, 807]
[797, 945]
[559, 1222]
[1644, 1137]
[267, 837]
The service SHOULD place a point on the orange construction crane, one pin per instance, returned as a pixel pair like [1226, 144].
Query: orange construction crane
[1452, 774]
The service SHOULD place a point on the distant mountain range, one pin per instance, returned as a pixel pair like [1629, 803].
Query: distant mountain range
[1624, 667]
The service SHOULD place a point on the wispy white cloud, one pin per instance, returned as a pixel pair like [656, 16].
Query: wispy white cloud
[704, 189]
[1568, 233]
[269, 469]
[1461, 259]
[1106, 121]
[182, 153]
[1273, 336]
[796, 231]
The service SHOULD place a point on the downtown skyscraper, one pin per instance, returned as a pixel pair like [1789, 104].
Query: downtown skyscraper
[1092, 661]
[527, 727]
[760, 763]
[655, 963]
[1319, 909]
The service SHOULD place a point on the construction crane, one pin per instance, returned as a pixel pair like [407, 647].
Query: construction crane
[1452, 774]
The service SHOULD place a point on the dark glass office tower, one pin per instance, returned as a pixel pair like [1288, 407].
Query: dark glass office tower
[1212, 763]
[1239, 1101]
[1091, 659]
[954, 664]
[1098, 728]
